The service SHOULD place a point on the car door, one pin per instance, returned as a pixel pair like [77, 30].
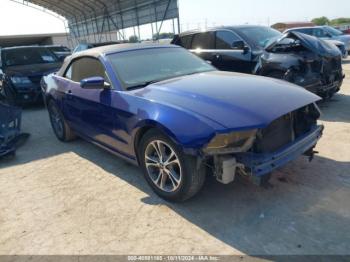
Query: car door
[232, 53]
[203, 45]
[90, 111]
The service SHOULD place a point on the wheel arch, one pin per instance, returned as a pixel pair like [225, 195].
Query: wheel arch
[145, 127]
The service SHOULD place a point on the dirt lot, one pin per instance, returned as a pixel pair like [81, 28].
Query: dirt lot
[74, 198]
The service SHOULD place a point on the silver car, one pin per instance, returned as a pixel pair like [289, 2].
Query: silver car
[326, 33]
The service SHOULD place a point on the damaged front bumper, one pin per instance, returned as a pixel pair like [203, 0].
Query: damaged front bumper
[325, 90]
[261, 164]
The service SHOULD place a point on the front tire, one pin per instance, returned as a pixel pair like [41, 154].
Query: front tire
[172, 175]
[59, 125]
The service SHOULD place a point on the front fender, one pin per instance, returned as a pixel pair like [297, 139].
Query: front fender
[270, 62]
[186, 129]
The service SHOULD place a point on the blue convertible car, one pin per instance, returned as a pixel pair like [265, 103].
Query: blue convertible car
[178, 118]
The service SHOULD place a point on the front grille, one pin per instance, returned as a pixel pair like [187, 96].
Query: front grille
[35, 79]
[332, 70]
[276, 135]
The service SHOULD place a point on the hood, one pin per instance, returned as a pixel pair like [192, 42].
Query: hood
[312, 43]
[334, 42]
[235, 101]
[32, 70]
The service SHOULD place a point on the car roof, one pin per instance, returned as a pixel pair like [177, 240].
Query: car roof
[304, 27]
[109, 49]
[232, 27]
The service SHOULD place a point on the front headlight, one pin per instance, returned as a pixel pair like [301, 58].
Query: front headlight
[231, 143]
[20, 80]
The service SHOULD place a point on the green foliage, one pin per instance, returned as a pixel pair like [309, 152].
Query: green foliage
[340, 21]
[163, 36]
[334, 22]
[133, 39]
[320, 21]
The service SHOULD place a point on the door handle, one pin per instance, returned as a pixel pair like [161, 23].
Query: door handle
[217, 56]
[69, 94]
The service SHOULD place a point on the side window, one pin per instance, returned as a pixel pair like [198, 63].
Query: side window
[225, 39]
[84, 68]
[318, 32]
[185, 41]
[204, 41]
[307, 31]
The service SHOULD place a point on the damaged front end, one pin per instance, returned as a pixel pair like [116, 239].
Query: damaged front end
[306, 61]
[10, 135]
[256, 153]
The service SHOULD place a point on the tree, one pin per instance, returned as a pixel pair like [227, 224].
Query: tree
[321, 20]
[133, 39]
[163, 36]
[340, 21]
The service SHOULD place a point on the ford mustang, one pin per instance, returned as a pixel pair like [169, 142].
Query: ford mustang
[178, 118]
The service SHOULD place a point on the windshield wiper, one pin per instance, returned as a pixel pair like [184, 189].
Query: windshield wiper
[142, 85]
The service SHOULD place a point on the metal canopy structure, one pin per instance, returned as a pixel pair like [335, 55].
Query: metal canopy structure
[93, 18]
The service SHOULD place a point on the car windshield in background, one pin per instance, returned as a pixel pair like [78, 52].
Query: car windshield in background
[59, 49]
[28, 56]
[263, 36]
[333, 31]
[138, 68]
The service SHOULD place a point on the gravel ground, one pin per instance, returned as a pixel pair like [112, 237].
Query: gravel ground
[74, 198]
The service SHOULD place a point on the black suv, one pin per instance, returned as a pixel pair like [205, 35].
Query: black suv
[294, 57]
[21, 70]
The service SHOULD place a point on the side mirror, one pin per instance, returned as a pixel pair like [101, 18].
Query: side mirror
[238, 45]
[95, 82]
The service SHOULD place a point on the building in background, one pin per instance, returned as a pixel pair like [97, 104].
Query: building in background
[287, 25]
[34, 39]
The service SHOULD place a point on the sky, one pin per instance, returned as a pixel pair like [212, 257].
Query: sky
[17, 19]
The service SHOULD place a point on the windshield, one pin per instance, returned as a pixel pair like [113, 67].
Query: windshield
[27, 56]
[138, 67]
[262, 36]
[333, 31]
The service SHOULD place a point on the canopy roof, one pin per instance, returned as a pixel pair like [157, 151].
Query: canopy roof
[90, 17]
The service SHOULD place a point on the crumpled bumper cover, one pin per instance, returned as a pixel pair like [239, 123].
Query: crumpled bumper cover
[262, 164]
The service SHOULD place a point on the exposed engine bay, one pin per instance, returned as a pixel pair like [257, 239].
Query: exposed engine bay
[250, 150]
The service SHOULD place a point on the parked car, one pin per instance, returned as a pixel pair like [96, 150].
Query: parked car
[178, 117]
[325, 32]
[340, 46]
[11, 137]
[85, 46]
[60, 51]
[295, 57]
[21, 70]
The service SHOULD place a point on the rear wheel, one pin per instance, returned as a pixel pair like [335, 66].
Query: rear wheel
[59, 125]
[173, 175]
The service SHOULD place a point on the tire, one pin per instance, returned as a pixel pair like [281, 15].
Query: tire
[59, 125]
[176, 177]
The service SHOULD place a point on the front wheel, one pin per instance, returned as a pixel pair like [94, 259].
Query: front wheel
[173, 175]
[59, 125]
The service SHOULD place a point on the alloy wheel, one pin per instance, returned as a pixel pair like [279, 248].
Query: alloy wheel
[163, 166]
